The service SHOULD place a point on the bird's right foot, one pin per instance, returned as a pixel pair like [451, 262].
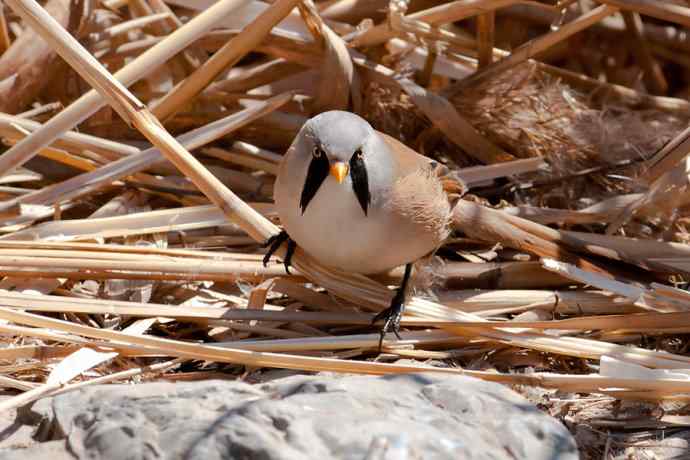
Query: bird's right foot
[274, 242]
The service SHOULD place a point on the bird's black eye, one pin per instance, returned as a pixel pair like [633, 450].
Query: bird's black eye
[317, 152]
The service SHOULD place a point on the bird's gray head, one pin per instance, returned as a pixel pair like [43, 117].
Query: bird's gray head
[339, 134]
[341, 145]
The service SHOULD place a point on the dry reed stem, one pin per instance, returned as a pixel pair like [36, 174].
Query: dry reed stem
[337, 74]
[164, 220]
[441, 112]
[535, 46]
[441, 14]
[29, 396]
[122, 375]
[419, 31]
[215, 353]
[225, 57]
[628, 96]
[70, 367]
[373, 296]
[91, 102]
[55, 304]
[30, 267]
[485, 38]
[37, 352]
[481, 302]
[592, 383]
[5, 41]
[668, 157]
[7, 382]
[128, 106]
[657, 9]
[490, 225]
[584, 383]
[647, 254]
[126, 26]
[653, 73]
[90, 181]
[70, 139]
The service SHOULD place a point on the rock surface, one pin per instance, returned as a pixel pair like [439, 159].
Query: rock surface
[302, 417]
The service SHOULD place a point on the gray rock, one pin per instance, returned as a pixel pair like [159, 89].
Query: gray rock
[304, 417]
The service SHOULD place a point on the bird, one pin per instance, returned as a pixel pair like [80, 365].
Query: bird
[358, 200]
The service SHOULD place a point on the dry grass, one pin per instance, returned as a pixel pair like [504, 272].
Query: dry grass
[130, 219]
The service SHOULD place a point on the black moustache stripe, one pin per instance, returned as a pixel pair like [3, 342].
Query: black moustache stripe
[317, 173]
[360, 181]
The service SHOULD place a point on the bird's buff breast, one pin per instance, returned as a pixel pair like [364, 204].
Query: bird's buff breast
[335, 231]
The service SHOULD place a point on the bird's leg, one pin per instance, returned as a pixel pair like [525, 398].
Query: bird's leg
[274, 242]
[393, 314]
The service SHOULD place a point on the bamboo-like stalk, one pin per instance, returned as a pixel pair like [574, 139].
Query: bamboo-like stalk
[70, 139]
[215, 353]
[417, 339]
[660, 10]
[37, 352]
[90, 102]
[115, 376]
[5, 40]
[165, 220]
[654, 76]
[7, 382]
[54, 304]
[126, 26]
[90, 181]
[469, 301]
[28, 396]
[664, 256]
[247, 156]
[440, 111]
[623, 93]
[355, 288]
[404, 26]
[486, 224]
[44, 334]
[441, 14]
[50, 303]
[494, 302]
[225, 57]
[582, 383]
[31, 267]
[536, 46]
[123, 250]
[485, 38]
[245, 78]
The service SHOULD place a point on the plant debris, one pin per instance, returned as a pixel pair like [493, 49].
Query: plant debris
[125, 258]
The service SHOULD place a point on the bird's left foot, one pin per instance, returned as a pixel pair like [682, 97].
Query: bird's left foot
[391, 317]
[274, 242]
[393, 314]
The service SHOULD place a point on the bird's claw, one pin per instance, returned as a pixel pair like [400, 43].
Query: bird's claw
[274, 242]
[391, 317]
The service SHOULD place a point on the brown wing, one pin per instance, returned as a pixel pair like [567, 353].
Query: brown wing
[408, 159]
[419, 200]
[426, 191]
[411, 161]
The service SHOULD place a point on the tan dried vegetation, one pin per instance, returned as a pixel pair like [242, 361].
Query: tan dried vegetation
[124, 257]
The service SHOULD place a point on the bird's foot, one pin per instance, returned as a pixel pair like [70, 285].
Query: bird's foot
[391, 317]
[274, 242]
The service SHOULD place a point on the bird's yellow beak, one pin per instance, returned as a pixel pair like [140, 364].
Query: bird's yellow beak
[339, 171]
